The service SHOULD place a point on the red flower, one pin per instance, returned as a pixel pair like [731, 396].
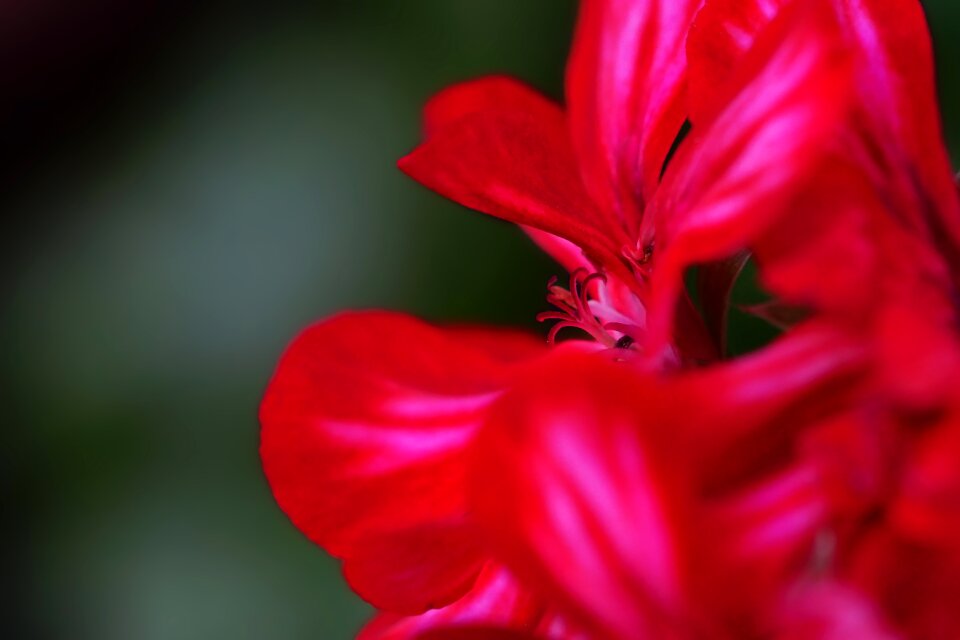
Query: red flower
[478, 484]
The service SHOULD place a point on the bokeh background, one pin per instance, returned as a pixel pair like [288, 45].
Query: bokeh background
[186, 185]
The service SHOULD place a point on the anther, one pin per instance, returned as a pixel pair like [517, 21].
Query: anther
[573, 306]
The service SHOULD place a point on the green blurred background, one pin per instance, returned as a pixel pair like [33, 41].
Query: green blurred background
[186, 186]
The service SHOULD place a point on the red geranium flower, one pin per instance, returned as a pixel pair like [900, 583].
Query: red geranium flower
[477, 482]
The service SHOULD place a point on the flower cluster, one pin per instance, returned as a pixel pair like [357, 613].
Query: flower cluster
[640, 483]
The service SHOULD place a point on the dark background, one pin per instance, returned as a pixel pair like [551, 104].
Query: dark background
[185, 186]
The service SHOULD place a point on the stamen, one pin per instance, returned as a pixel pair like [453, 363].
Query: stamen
[574, 307]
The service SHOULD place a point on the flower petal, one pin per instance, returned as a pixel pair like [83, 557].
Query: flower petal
[839, 252]
[897, 119]
[578, 501]
[486, 94]
[828, 253]
[594, 480]
[722, 33]
[495, 146]
[733, 176]
[625, 84]
[898, 106]
[364, 428]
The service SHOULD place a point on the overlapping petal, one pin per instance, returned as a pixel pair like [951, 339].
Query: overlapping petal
[625, 82]
[838, 253]
[736, 173]
[594, 480]
[579, 502]
[895, 134]
[365, 424]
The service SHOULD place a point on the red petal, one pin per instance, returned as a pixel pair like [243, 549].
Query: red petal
[720, 36]
[732, 178]
[897, 89]
[758, 403]
[766, 535]
[839, 251]
[579, 500]
[487, 94]
[364, 429]
[901, 143]
[496, 600]
[497, 147]
[592, 480]
[828, 253]
[625, 84]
